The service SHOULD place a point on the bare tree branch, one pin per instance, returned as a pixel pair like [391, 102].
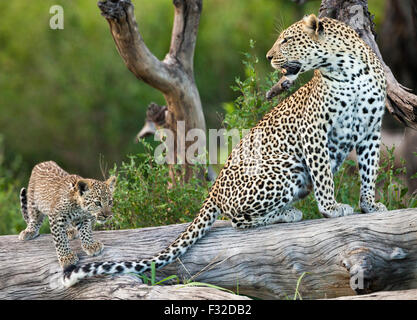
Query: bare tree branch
[184, 32]
[173, 76]
[136, 55]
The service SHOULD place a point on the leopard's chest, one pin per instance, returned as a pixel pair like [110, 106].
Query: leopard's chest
[71, 212]
[346, 127]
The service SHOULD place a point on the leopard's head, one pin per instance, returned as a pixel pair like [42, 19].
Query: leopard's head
[96, 197]
[311, 43]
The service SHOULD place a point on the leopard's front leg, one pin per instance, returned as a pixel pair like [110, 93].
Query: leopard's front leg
[90, 247]
[368, 161]
[59, 233]
[317, 157]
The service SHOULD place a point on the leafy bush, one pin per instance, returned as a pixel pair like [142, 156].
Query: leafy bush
[391, 190]
[11, 220]
[145, 195]
[251, 104]
[12, 179]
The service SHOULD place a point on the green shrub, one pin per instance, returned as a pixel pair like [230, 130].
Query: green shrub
[145, 195]
[11, 220]
[251, 104]
[391, 188]
[11, 181]
[10, 216]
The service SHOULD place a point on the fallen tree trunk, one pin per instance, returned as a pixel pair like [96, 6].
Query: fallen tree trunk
[384, 295]
[341, 256]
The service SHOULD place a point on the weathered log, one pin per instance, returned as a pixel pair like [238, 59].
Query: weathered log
[127, 287]
[384, 295]
[371, 252]
[31, 272]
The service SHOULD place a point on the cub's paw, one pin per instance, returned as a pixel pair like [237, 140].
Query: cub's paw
[67, 260]
[373, 207]
[93, 249]
[72, 233]
[28, 235]
[338, 210]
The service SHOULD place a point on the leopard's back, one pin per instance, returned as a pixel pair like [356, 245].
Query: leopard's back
[47, 184]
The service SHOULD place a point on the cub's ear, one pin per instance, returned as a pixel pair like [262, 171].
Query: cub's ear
[312, 26]
[82, 186]
[111, 182]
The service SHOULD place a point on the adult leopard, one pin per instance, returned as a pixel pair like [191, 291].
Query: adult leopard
[297, 146]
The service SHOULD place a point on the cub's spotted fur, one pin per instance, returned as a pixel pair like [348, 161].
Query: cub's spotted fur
[297, 146]
[72, 204]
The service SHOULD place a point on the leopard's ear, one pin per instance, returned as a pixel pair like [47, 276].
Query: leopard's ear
[82, 186]
[313, 26]
[111, 182]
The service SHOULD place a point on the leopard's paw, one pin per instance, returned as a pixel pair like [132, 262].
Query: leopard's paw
[373, 207]
[72, 233]
[67, 260]
[93, 249]
[292, 215]
[338, 210]
[28, 235]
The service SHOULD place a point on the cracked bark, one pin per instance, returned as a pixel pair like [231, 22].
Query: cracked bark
[173, 76]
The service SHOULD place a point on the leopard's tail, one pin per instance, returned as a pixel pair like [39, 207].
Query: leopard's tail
[24, 204]
[196, 230]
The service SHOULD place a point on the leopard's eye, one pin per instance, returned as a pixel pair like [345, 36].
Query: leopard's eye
[97, 203]
[286, 39]
[110, 202]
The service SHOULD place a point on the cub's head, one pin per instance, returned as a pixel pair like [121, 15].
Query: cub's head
[311, 43]
[96, 197]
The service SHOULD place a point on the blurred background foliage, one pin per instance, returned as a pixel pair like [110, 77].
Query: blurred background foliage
[66, 95]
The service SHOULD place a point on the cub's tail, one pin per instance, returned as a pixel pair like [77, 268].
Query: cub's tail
[196, 230]
[24, 204]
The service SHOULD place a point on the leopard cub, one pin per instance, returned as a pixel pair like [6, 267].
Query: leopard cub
[72, 203]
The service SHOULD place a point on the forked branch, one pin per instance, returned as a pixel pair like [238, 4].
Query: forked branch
[129, 42]
[184, 32]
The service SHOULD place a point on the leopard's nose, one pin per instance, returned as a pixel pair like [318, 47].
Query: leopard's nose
[269, 57]
[107, 214]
